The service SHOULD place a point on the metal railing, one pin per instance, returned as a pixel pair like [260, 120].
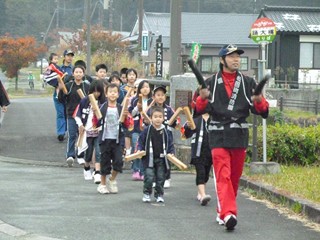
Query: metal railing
[306, 105]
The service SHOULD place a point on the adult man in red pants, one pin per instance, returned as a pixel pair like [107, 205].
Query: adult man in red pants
[229, 99]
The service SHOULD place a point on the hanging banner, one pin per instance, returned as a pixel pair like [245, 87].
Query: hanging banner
[159, 59]
[195, 51]
[145, 43]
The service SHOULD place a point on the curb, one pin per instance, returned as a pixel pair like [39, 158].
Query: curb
[307, 208]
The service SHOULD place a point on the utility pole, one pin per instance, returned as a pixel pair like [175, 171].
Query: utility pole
[110, 15]
[88, 23]
[175, 38]
[58, 6]
[140, 14]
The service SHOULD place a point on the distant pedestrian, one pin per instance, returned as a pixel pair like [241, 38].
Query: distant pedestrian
[157, 142]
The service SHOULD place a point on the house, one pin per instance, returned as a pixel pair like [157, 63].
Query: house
[211, 30]
[294, 55]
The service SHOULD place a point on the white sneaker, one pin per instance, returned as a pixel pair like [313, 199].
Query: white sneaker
[167, 183]
[112, 186]
[160, 199]
[87, 174]
[81, 161]
[70, 161]
[146, 198]
[97, 178]
[102, 189]
[219, 220]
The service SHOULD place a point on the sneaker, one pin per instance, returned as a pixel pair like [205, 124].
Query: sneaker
[230, 221]
[146, 198]
[80, 161]
[60, 138]
[102, 189]
[199, 197]
[112, 186]
[136, 176]
[97, 178]
[160, 199]
[219, 220]
[167, 183]
[70, 161]
[204, 201]
[87, 174]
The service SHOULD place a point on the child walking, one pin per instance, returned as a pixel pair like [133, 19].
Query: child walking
[111, 140]
[200, 154]
[87, 122]
[157, 142]
[72, 99]
[135, 110]
[159, 96]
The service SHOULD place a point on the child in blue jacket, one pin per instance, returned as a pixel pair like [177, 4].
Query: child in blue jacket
[157, 142]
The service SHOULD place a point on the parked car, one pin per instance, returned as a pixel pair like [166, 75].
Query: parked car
[44, 63]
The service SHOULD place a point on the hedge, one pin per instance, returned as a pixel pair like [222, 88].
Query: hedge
[291, 144]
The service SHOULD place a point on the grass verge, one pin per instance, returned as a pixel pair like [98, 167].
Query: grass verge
[296, 181]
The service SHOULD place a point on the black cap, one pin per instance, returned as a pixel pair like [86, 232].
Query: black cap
[67, 52]
[160, 87]
[228, 49]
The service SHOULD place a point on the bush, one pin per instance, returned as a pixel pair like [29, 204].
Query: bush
[291, 144]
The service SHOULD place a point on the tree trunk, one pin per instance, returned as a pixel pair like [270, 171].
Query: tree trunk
[16, 85]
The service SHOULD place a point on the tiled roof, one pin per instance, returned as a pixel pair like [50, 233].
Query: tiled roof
[205, 28]
[293, 19]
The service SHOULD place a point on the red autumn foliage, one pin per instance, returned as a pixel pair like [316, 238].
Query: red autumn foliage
[17, 53]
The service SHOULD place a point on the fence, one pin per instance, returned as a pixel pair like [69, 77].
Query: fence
[306, 105]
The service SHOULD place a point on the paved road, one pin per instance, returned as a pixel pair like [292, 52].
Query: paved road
[42, 199]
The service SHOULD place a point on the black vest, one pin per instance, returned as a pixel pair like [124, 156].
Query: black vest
[228, 127]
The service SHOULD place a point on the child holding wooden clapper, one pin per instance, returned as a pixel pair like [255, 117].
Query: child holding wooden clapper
[71, 99]
[157, 142]
[111, 139]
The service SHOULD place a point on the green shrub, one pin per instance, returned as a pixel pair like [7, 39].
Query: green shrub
[290, 144]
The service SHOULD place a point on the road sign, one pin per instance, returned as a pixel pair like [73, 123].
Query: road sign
[263, 30]
[145, 43]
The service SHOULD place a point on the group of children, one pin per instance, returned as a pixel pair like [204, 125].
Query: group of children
[142, 126]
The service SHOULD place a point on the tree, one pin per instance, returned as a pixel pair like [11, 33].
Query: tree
[18, 53]
[102, 41]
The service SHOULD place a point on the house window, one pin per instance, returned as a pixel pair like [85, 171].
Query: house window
[316, 54]
[215, 64]
[206, 64]
[309, 55]
[244, 64]
[254, 63]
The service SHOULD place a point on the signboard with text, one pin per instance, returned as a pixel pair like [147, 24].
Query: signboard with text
[263, 30]
[145, 43]
[159, 59]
